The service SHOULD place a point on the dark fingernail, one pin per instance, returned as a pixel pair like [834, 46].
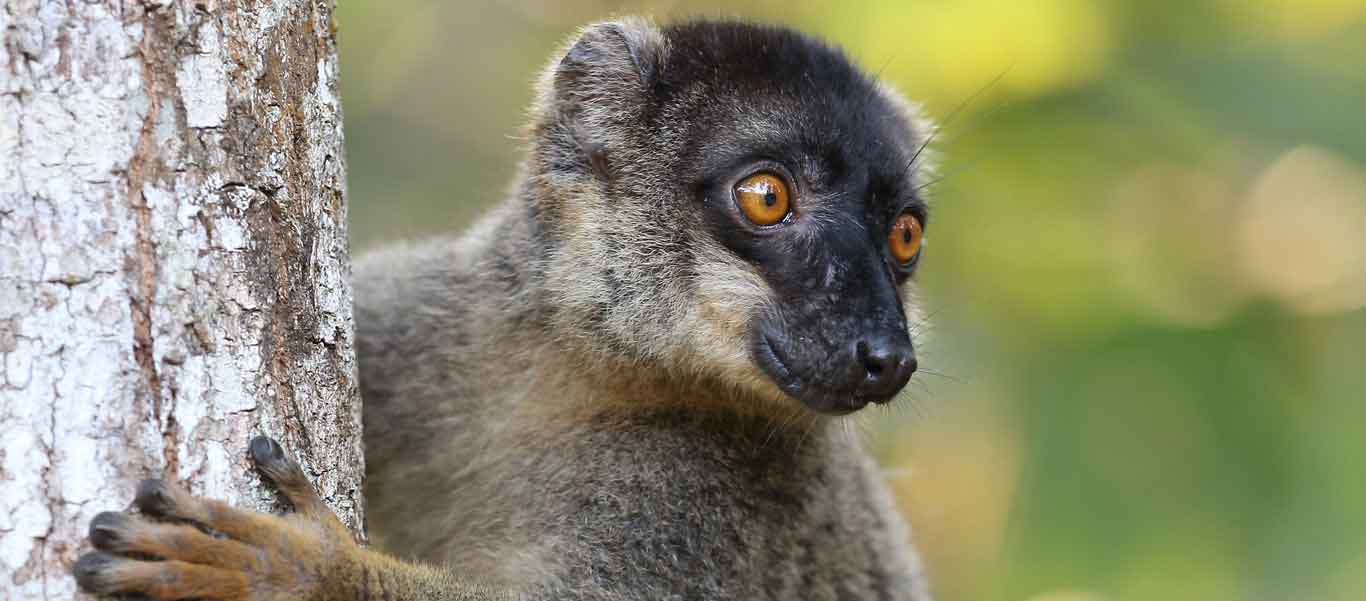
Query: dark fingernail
[105, 528]
[153, 498]
[266, 450]
[88, 569]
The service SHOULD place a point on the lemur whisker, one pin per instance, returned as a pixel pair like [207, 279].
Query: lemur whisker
[973, 161]
[877, 76]
[946, 175]
[948, 119]
[930, 372]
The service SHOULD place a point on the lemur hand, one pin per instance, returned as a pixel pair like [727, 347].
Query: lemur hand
[184, 547]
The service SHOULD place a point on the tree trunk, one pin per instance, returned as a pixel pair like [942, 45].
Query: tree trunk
[173, 263]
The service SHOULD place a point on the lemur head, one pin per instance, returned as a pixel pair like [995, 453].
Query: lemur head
[732, 202]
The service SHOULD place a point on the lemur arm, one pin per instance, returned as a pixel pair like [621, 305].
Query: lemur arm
[306, 555]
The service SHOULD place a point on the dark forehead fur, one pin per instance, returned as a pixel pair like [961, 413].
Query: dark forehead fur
[747, 91]
[753, 53]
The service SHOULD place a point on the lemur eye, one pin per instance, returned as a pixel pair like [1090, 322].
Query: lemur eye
[904, 240]
[763, 198]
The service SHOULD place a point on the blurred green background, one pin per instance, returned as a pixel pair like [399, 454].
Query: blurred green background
[1147, 269]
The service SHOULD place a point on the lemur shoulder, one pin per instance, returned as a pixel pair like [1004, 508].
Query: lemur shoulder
[629, 380]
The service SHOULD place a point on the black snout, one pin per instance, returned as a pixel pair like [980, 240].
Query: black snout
[872, 369]
[837, 340]
[885, 363]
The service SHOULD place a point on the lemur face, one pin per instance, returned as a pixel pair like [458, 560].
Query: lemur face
[775, 187]
[802, 167]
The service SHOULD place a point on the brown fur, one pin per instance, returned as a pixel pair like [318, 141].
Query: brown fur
[561, 403]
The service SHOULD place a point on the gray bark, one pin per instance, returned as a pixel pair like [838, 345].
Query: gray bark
[173, 263]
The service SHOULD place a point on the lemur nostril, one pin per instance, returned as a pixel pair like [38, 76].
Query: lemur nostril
[865, 359]
[886, 361]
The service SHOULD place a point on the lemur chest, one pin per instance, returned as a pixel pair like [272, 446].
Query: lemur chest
[699, 514]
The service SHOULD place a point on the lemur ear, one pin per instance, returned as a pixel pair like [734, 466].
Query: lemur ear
[610, 63]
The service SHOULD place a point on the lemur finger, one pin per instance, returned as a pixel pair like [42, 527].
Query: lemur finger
[158, 498]
[123, 534]
[106, 574]
[285, 474]
[289, 478]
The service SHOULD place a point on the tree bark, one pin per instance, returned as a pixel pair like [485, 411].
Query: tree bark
[173, 263]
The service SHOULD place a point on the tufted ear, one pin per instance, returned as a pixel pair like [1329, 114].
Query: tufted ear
[593, 94]
[609, 63]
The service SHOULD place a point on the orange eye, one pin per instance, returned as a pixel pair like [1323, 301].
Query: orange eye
[763, 198]
[904, 240]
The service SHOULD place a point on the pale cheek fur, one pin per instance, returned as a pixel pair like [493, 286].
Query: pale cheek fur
[728, 295]
[915, 314]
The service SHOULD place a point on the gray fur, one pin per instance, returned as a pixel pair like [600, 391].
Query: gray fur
[560, 401]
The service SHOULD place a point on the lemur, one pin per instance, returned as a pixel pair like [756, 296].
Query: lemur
[627, 381]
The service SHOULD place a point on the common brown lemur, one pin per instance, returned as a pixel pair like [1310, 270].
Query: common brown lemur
[626, 381]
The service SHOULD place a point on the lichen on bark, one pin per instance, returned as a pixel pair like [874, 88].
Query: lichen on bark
[173, 262]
